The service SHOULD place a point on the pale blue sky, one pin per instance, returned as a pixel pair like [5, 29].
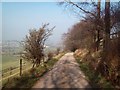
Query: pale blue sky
[0, 21]
[18, 18]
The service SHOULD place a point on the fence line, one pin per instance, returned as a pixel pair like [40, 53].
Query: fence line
[11, 71]
[13, 75]
[15, 69]
[13, 64]
[14, 72]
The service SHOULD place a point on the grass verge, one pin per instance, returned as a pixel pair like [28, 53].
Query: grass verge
[95, 80]
[28, 79]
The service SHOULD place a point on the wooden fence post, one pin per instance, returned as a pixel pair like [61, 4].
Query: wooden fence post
[20, 67]
[10, 70]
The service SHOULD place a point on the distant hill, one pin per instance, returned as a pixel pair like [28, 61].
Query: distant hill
[14, 47]
[10, 47]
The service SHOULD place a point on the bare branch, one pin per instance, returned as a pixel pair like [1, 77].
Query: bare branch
[88, 12]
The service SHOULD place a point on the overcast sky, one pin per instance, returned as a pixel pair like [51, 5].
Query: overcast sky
[19, 17]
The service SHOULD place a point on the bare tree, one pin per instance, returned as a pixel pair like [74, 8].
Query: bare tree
[79, 36]
[105, 20]
[35, 44]
[88, 11]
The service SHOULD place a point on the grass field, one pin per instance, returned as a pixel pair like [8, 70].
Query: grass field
[10, 61]
[0, 62]
[29, 76]
[10, 66]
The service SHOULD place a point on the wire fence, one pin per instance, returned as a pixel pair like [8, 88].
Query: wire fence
[12, 71]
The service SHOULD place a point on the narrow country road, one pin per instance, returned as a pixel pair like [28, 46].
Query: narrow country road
[65, 74]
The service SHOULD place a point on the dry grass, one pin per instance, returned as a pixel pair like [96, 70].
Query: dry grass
[108, 71]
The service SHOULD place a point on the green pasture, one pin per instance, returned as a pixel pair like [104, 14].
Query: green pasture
[10, 61]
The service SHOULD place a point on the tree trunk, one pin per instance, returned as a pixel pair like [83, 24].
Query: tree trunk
[106, 35]
[107, 26]
[98, 22]
[33, 65]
